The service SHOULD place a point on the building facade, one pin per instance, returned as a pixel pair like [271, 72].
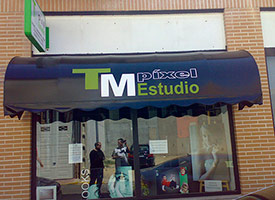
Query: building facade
[243, 30]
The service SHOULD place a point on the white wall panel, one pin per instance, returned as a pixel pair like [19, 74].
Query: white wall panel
[52, 143]
[268, 26]
[135, 33]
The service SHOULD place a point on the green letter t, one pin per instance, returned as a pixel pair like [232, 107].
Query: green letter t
[91, 76]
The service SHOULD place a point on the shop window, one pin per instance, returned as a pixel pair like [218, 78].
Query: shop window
[64, 149]
[177, 155]
[186, 155]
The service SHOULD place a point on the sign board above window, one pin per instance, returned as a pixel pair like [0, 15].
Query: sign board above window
[139, 33]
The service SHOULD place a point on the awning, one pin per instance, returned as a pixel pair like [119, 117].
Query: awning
[137, 81]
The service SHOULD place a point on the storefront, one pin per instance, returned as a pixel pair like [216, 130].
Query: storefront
[157, 118]
[173, 110]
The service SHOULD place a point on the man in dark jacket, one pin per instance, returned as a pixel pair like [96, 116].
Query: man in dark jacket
[96, 168]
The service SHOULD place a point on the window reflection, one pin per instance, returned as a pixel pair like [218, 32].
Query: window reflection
[199, 156]
[86, 173]
[177, 155]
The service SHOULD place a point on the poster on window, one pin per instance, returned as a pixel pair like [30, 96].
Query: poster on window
[158, 146]
[212, 186]
[173, 180]
[75, 153]
[120, 184]
[209, 149]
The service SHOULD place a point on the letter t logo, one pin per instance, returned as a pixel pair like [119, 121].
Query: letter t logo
[91, 76]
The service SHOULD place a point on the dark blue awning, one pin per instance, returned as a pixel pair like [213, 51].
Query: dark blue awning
[113, 82]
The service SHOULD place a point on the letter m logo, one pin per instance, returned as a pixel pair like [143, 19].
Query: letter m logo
[109, 80]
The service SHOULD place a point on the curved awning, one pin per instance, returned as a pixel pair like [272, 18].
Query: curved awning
[111, 82]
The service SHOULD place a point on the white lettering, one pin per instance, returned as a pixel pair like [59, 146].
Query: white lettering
[182, 74]
[165, 75]
[85, 194]
[108, 79]
[160, 75]
[194, 73]
[83, 186]
[141, 76]
[84, 172]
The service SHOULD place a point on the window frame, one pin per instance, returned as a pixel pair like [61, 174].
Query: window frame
[270, 52]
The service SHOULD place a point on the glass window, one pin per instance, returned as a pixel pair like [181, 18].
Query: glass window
[186, 154]
[92, 159]
[84, 160]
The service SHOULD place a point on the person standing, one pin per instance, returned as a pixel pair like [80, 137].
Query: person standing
[121, 185]
[120, 154]
[96, 166]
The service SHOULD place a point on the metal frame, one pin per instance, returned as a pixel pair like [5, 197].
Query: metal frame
[133, 12]
[143, 53]
[234, 149]
[136, 153]
[270, 52]
[33, 156]
[267, 9]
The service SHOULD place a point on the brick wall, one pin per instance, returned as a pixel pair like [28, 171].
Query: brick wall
[14, 134]
[98, 5]
[253, 126]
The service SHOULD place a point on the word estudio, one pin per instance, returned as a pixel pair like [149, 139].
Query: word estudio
[137, 84]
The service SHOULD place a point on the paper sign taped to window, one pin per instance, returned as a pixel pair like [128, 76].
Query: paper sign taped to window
[212, 186]
[75, 153]
[158, 146]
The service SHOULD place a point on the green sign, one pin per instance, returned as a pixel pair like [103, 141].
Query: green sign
[35, 25]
